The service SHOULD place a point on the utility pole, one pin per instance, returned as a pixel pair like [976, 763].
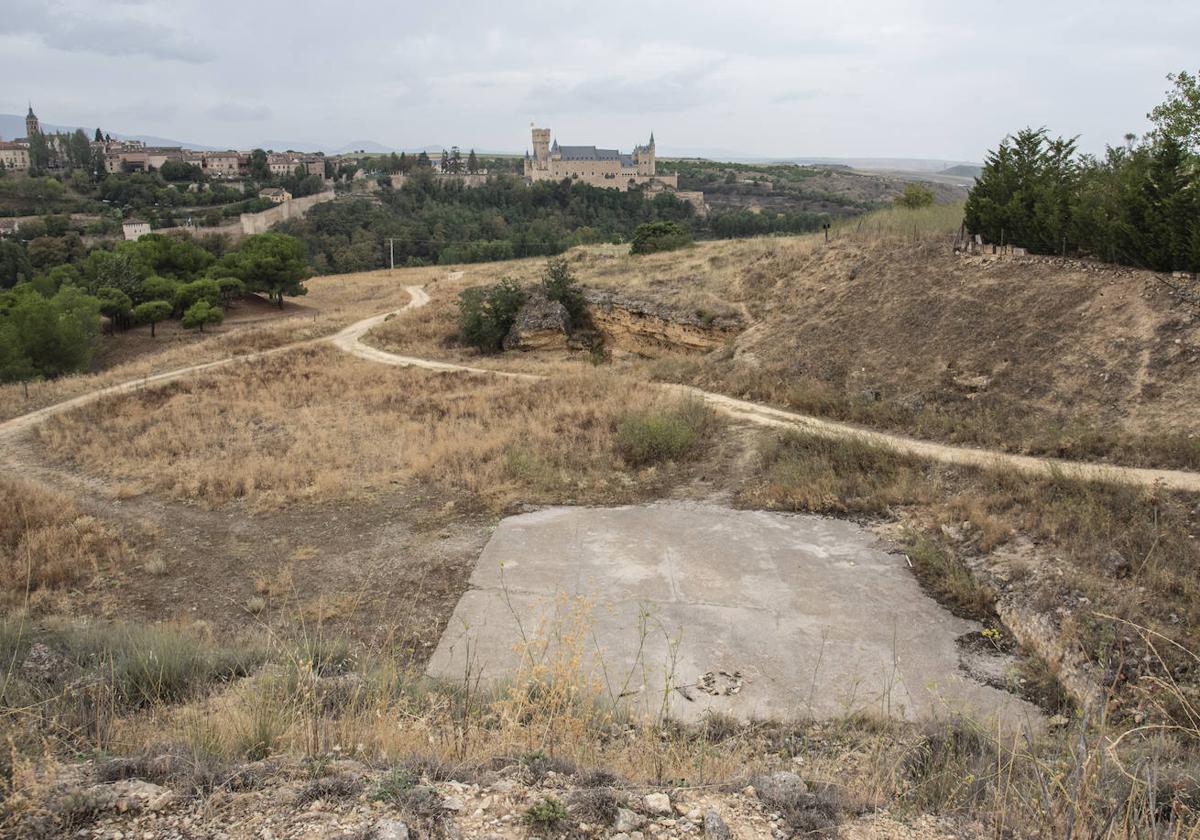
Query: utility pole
[391, 253]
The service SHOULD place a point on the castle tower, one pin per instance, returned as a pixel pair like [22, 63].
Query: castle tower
[541, 145]
[31, 122]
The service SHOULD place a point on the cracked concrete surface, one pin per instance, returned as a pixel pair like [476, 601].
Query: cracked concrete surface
[803, 616]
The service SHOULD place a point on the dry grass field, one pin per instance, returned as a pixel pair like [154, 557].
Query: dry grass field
[315, 425]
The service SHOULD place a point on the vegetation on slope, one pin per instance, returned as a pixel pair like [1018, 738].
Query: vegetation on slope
[1137, 205]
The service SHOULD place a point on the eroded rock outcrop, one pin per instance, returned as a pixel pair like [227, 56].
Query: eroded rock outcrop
[643, 326]
[541, 324]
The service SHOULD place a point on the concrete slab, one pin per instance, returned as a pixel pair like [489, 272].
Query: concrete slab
[689, 607]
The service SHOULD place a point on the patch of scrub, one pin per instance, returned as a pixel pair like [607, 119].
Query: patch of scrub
[690, 607]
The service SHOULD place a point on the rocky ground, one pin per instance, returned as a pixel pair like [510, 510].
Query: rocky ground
[345, 799]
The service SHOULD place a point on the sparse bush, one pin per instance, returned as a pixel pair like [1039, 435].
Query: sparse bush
[547, 814]
[395, 786]
[947, 579]
[595, 805]
[559, 284]
[662, 434]
[485, 315]
[914, 196]
[653, 237]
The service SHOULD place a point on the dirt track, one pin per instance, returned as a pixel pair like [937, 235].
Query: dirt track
[350, 340]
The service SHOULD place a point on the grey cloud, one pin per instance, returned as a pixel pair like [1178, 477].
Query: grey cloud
[801, 95]
[678, 90]
[74, 32]
[235, 112]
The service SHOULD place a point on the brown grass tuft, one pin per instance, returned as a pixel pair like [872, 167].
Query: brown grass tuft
[47, 544]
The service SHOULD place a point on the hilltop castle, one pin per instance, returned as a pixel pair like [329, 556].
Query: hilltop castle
[598, 167]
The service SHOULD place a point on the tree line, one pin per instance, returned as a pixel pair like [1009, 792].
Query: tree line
[431, 221]
[50, 319]
[1137, 204]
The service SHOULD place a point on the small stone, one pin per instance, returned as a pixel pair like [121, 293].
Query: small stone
[657, 803]
[627, 821]
[779, 787]
[390, 830]
[715, 827]
[452, 803]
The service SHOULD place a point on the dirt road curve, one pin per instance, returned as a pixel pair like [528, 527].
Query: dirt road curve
[350, 341]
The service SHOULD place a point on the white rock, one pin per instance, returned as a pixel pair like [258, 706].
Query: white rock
[657, 803]
[390, 830]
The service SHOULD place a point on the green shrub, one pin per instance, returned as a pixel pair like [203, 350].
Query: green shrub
[914, 196]
[189, 294]
[546, 814]
[559, 284]
[486, 314]
[200, 313]
[662, 434]
[653, 237]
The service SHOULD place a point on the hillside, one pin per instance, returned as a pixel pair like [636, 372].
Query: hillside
[262, 595]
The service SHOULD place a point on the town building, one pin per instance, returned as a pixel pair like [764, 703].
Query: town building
[135, 229]
[607, 168]
[14, 156]
[222, 164]
[275, 194]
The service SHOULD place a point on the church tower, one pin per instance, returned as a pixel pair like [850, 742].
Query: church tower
[31, 122]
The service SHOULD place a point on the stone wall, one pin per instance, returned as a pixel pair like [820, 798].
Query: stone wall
[467, 179]
[253, 223]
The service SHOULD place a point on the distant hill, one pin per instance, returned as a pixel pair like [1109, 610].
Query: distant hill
[13, 125]
[966, 170]
[932, 165]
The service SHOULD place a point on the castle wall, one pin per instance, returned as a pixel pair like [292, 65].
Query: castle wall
[253, 223]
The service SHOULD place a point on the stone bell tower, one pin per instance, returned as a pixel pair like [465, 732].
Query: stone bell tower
[31, 122]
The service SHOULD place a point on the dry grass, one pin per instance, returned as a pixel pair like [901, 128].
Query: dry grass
[315, 424]
[47, 545]
[316, 703]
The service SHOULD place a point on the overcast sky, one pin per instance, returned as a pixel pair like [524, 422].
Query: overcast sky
[836, 78]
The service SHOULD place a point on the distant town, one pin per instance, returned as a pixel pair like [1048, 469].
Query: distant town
[47, 152]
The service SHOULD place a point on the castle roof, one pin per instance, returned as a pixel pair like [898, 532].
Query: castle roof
[588, 153]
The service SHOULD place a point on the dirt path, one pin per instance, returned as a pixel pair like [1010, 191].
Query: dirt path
[761, 415]
[350, 341]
